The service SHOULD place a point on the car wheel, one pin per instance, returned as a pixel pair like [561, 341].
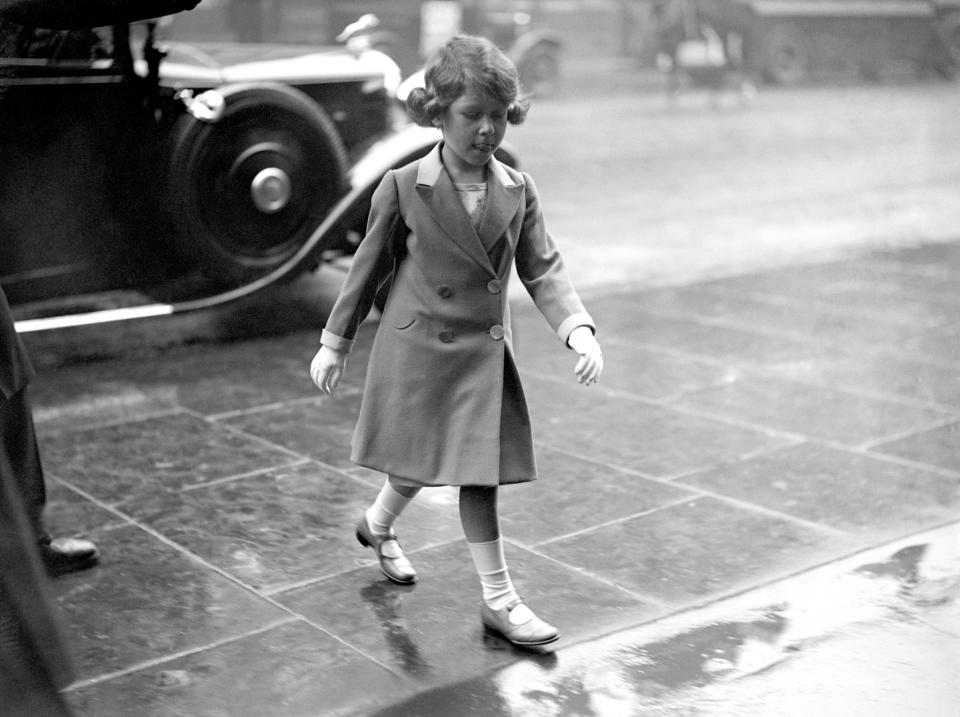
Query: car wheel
[246, 190]
[539, 70]
[786, 54]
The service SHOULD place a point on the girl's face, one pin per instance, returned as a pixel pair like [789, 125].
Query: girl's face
[473, 127]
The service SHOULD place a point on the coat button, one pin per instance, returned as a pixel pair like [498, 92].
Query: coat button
[494, 286]
[446, 337]
[444, 291]
[496, 332]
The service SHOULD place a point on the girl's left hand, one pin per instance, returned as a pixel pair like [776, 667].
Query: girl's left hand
[590, 365]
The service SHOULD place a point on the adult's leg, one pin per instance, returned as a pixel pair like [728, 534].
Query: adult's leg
[33, 659]
[18, 440]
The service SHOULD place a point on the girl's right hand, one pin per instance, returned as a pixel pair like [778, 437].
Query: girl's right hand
[327, 368]
[590, 365]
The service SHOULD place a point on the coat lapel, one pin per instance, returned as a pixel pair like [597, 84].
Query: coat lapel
[503, 199]
[438, 194]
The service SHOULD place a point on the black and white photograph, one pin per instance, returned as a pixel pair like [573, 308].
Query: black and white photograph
[480, 358]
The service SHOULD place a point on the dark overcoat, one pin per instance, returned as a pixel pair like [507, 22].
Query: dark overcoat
[33, 660]
[16, 370]
[443, 404]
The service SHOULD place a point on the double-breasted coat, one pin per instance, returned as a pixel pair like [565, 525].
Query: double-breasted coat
[443, 403]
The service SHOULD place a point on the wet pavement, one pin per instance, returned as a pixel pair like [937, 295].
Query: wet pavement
[875, 634]
[756, 510]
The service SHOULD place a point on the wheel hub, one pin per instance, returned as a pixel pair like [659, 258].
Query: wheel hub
[270, 190]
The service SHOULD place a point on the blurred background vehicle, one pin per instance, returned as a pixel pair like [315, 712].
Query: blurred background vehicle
[408, 31]
[788, 41]
[142, 177]
[781, 41]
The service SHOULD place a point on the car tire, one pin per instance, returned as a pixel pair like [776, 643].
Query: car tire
[247, 190]
[785, 54]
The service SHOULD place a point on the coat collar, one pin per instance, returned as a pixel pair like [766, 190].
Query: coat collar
[439, 195]
[431, 168]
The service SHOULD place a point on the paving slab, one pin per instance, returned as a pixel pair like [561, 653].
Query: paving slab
[850, 491]
[126, 462]
[825, 413]
[705, 546]
[280, 527]
[939, 446]
[149, 599]
[288, 670]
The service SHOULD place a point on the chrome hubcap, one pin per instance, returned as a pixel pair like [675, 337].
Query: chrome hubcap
[270, 190]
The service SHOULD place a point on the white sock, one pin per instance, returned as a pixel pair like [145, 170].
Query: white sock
[386, 509]
[498, 590]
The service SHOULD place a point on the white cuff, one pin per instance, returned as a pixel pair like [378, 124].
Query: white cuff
[337, 343]
[573, 321]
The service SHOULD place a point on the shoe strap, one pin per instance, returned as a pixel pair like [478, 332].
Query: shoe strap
[390, 548]
[519, 613]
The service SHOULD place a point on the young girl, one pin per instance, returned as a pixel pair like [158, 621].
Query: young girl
[443, 404]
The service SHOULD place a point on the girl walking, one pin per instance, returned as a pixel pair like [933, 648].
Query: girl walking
[443, 404]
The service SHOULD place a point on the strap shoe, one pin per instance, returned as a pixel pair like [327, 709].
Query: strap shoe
[517, 623]
[393, 563]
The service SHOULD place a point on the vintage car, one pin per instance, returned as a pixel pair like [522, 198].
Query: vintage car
[140, 178]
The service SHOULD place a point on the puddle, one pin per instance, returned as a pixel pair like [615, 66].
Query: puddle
[876, 634]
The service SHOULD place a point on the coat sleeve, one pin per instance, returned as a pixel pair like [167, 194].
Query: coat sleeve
[372, 267]
[541, 269]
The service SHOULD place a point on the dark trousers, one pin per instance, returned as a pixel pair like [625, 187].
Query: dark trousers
[18, 441]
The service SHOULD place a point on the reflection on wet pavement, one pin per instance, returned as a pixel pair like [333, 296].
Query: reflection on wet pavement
[726, 659]
[384, 600]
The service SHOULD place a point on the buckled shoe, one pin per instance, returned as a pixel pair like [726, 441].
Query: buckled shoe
[393, 563]
[517, 623]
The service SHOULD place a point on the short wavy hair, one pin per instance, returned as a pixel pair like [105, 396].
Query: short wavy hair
[466, 60]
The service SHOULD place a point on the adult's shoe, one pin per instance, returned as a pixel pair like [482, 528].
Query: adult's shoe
[67, 555]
